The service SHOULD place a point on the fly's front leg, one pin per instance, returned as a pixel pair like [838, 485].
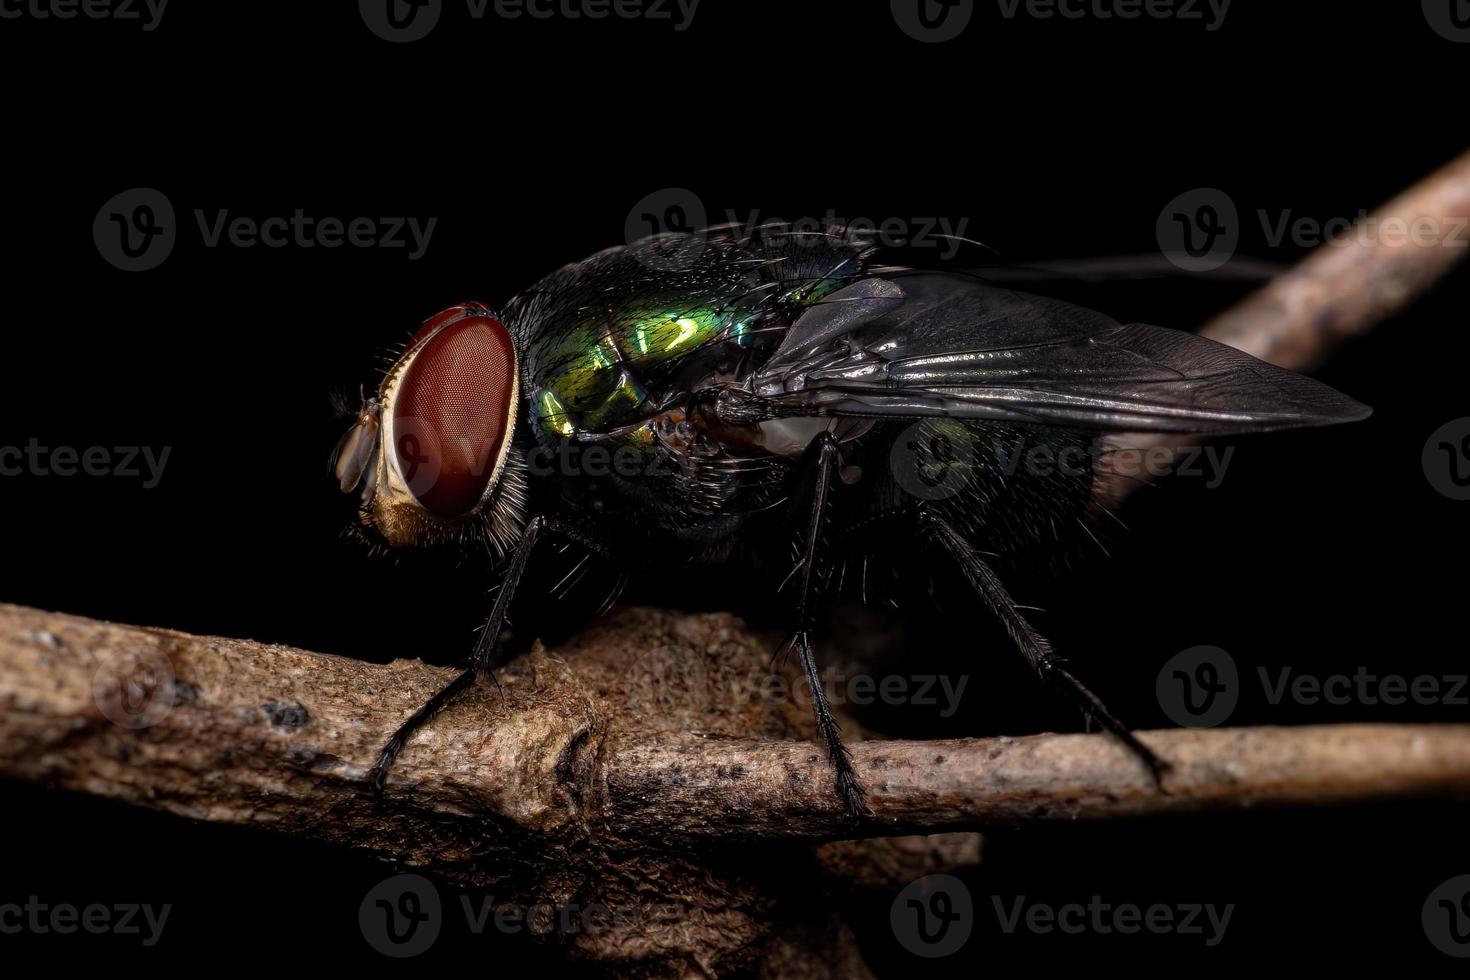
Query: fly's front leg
[848, 787]
[483, 662]
[1032, 645]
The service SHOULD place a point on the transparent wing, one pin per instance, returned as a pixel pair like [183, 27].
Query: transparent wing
[934, 344]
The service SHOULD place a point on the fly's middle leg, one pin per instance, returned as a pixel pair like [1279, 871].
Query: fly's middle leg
[827, 458]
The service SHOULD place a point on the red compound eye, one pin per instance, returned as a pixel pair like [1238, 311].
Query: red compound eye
[452, 410]
[453, 313]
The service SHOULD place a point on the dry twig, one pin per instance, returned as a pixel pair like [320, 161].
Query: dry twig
[614, 762]
[1340, 291]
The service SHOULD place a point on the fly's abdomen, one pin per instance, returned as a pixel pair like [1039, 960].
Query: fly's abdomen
[1022, 492]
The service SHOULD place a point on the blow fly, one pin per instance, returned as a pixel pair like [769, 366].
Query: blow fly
[780, 397]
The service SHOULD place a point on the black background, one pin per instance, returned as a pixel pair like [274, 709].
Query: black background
[530, 142]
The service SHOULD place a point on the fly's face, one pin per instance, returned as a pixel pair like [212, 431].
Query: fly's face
[433, 451]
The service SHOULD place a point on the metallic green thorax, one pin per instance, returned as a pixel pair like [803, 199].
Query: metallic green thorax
[607, 340]
[594, 378]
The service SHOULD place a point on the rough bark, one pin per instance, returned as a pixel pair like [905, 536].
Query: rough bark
[631, 769]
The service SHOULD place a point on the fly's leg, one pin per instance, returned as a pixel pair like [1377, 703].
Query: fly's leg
[848, 787]
[1028, 642]
[483, 662]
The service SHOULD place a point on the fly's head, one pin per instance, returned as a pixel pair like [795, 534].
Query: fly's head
[433, 452]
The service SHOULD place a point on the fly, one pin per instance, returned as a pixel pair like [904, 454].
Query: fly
[784, 394]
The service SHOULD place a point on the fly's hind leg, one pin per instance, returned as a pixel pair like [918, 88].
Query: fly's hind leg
[848, 787]
[1028, 642]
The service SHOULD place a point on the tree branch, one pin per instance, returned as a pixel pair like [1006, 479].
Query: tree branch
[603, 738]
[1347, 287]
[648, 750]
[1342, 290]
